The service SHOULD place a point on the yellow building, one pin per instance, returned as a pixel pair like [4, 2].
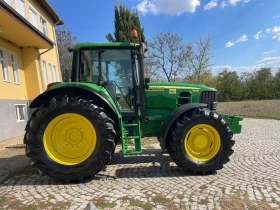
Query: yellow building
[28, 59]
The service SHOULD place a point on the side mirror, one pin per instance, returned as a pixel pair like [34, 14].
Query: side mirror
[144, 49]
[147, 80]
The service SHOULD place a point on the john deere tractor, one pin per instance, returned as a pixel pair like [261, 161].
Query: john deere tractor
[73, 132]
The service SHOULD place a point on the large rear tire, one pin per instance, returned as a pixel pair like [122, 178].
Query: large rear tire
[70, 139]
[200, 141]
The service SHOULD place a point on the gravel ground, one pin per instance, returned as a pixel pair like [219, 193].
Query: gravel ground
[251, 180]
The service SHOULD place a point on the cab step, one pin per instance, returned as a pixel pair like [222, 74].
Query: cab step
[131, 138]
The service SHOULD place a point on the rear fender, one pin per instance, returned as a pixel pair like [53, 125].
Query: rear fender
[77, 90]
[72, 90]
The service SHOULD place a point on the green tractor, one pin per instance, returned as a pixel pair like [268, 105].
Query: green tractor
[73, 132]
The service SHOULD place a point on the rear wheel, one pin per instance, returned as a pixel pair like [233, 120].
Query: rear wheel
[200, 141]
[70, 139]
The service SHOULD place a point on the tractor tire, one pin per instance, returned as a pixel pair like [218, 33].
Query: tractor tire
[70, 139]
[200, 142]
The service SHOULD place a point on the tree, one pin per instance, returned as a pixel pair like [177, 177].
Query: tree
[199, 58]
[65, 39]
[126, 21]
[276, 84]
[261, 86]
[229, 86]
[167, 54]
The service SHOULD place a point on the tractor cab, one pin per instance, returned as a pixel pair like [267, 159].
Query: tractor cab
[118, 67]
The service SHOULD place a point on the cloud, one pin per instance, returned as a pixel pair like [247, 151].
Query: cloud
[229, 44]
[276, 33]
[218, 69]
[234, 2]
[268, 30]
[270, 59]
[211, 5]
[257, 35]
[275, 17]
[243, 38]
[167, 7]
[223, 4]
[265, 63]
[272, 51]
[269, 62]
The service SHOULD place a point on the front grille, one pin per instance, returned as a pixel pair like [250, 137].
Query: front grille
[209, 98]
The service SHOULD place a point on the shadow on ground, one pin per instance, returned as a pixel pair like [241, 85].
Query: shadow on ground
[150, 164]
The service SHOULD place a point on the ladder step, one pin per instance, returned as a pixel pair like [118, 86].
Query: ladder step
[133, 137]
[128, 125]
[132, 152]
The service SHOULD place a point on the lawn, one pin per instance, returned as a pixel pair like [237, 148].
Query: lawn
[254, 109]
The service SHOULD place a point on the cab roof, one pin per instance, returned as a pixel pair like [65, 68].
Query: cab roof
[104, 44]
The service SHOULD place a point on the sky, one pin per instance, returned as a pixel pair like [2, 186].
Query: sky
[245, 33]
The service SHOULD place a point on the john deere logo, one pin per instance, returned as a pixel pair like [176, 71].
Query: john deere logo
[172, 91]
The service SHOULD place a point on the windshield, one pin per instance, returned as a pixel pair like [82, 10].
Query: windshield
[116, 73]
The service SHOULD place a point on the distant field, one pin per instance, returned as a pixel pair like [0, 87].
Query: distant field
[254, 109]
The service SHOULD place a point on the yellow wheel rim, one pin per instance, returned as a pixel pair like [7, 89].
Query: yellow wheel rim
[69, 139]
[202, 142]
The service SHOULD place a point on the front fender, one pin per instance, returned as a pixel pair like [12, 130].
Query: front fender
[173, 116]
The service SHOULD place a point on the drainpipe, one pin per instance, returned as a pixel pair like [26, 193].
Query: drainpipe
[39, 56]
[54, 35]
[40, 66]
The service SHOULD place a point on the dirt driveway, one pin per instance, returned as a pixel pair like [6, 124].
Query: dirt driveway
[251, 180]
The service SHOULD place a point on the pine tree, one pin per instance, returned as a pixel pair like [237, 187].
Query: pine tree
[126, 21]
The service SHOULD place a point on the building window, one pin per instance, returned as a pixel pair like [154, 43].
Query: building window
[33, 16]
[44, 26]
[20, 113]
[9, 2]
[55, 74]
[15, 68]
[20, 7]
[4, 65]
[45, 73]
[50, 67]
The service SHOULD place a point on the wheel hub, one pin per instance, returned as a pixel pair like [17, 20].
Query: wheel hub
[74, 136]
[69, 139]
[202, 142]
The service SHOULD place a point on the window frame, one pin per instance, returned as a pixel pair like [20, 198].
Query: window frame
[11, 2]
[16, 3]
[51, 73]
[45, 72]
[15, 62]
[42, 27]
[17, 106]
[5, 61]
[36, 13]
[55, 73]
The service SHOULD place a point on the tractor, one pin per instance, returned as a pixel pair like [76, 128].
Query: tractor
[76, 125]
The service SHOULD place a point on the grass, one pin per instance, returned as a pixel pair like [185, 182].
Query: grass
[251, 109]
[235, 203]
[138, 203]
[102, 203]
[11, 203]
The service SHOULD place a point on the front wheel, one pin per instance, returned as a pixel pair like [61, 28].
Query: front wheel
[200, 141]
[70, 139]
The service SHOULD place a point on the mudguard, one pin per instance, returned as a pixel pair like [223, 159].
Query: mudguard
[173, 116]
[72, 89]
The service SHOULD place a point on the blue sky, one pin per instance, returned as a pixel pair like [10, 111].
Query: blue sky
[246, 33]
